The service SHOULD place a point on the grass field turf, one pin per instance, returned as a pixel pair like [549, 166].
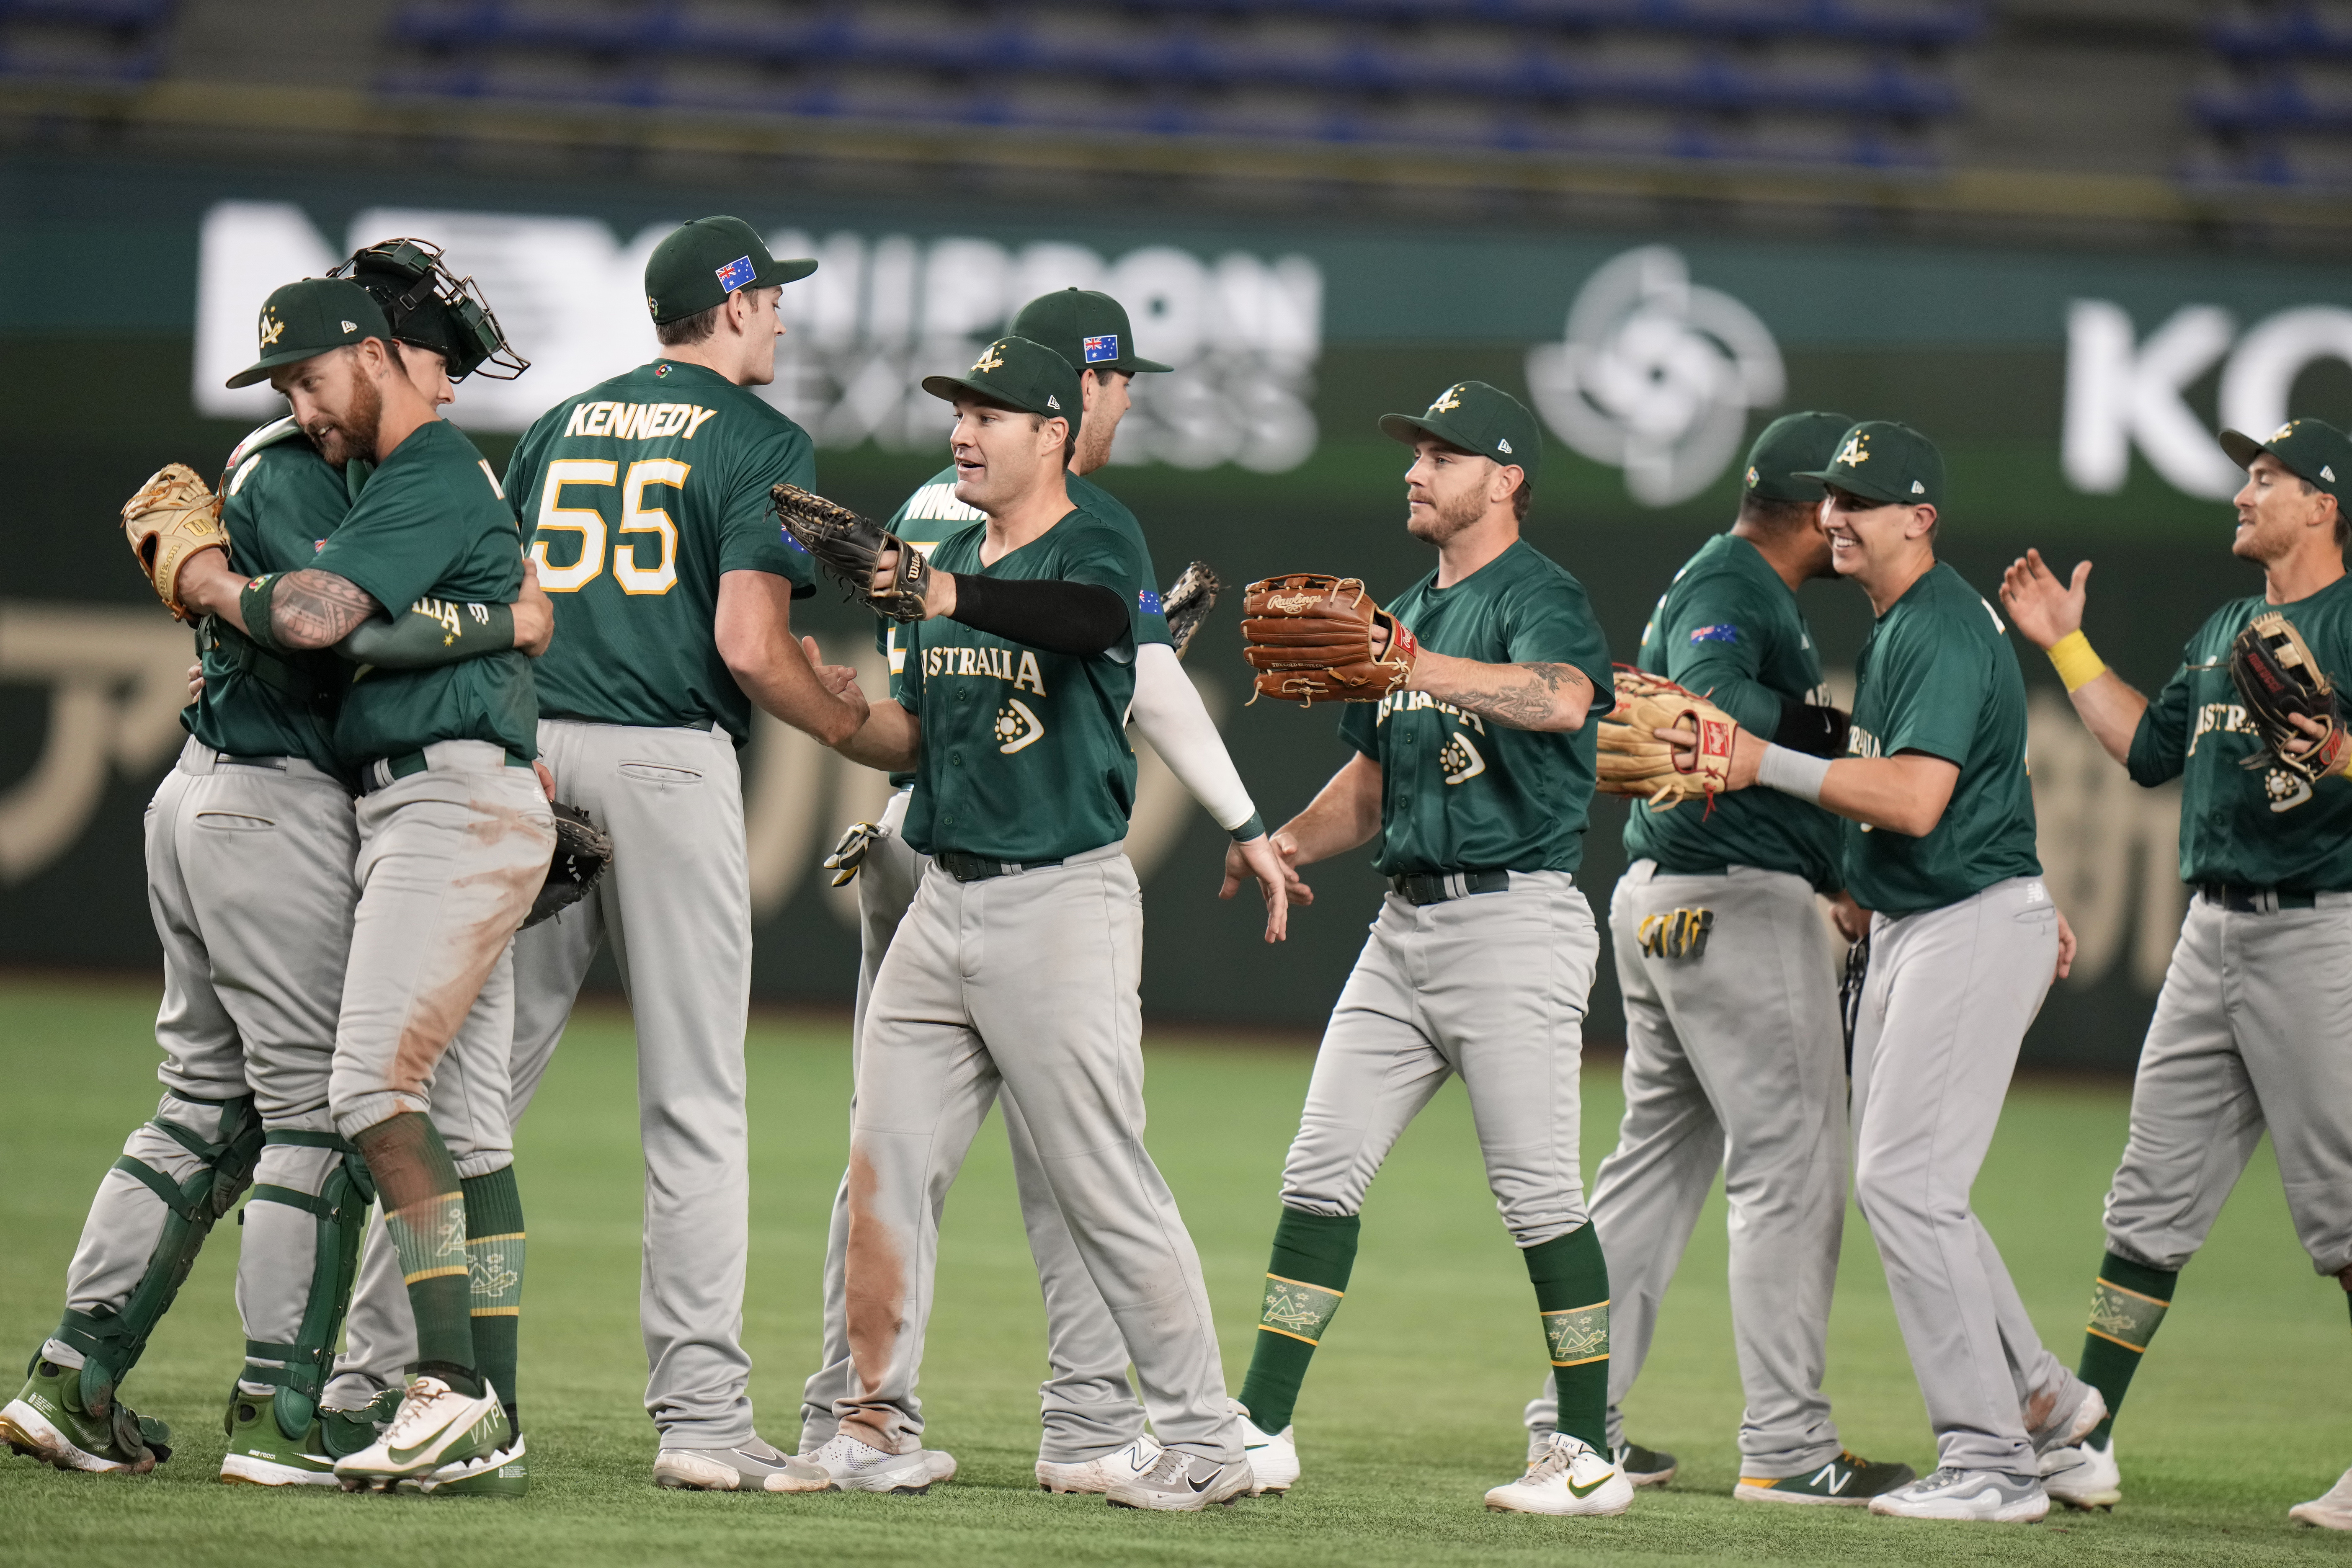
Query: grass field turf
[1410, 1413]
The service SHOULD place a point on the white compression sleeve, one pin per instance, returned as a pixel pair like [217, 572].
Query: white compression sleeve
[1169, 713]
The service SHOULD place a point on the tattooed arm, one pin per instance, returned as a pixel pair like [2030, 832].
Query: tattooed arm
[308, 608]
[1518, 696]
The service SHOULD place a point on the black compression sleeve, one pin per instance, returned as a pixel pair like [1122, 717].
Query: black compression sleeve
[1816, 731]
[1053, 615]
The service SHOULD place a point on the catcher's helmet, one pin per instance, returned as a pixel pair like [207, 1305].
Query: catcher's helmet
[431, 307]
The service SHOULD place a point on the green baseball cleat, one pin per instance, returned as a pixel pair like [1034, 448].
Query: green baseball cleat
[1846, 1481]
[436, 1427]
[504, 1472]
[46, 1421]
[261, 1453]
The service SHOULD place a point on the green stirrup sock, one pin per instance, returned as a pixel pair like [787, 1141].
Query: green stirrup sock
[425, 1211]
[1571, 1281]
[1313, 1254]
[2126, 1305]
[494, 1249]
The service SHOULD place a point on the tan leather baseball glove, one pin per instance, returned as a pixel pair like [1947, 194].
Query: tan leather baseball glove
[173, 516]
[1632, 759]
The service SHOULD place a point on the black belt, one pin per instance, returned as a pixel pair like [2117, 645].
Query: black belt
[1436, 887]
[409, 765]
[2254, 901]
[966, 867]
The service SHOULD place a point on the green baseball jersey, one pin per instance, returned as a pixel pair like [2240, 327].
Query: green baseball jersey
[637, 494]
[280, 502]
[1728, 628]
[2262, 827]
[1457, 792]
[432, 530]
[932, 512]
[1024, 754]
[1938, 676]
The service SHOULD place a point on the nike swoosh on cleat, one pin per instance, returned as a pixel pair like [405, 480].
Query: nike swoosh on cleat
[1581, 1492]
[1204, 1485]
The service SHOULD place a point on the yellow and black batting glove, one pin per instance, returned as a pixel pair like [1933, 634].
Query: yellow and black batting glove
[1678, 933]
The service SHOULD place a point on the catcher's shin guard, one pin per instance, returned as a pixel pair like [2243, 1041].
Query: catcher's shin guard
[300, 1369]
[112, 1340]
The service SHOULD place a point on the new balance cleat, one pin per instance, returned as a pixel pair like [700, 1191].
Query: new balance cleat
[2084, 1476]
[755, 1467]
[1644, 1466]
[261, 1453]
[1570, 1477]
[1179, 1482]
[436, 1426]
[2331, 1511]
[505, 1472]
[46, 1421]
[1099, 1475]
[1846, 1481]
[1273, 1456]
[851, 1466]
[1985, 1496]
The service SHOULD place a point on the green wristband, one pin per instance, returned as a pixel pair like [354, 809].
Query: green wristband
[1253, 828]
[253, 600]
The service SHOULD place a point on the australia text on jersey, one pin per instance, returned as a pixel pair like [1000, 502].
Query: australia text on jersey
[997, 662]
[637, 421]
[1460, 759]
[2229, 718]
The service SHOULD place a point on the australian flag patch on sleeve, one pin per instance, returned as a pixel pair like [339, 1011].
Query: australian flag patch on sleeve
[736, 274]
[1099, 350]
[1150, 599]
[1726, 632]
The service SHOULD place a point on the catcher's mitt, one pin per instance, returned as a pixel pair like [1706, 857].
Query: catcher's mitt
[173, 516]
[582, 855]
[1188, 602]
[1321, 639]
[846, 545]
[2277, 675]
[1633, 760]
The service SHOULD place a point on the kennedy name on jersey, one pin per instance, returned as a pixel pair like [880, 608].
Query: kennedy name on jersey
[637, 421]
[991, 661]
[1415, 702]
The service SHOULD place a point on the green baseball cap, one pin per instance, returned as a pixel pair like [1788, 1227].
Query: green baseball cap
[304, 320]
[708, 259]
[2312, 449]
[1017, 373]
[1886, 462]
[1790, 443]
[1088, 328]
[1477, 419]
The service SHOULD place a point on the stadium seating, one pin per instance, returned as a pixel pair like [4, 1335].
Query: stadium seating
[86, 43]
[2279, 109]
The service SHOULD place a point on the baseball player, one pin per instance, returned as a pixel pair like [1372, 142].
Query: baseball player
[1964, 945]
[645, 499]
[1017, 963]
[2245, 1037]
[453, 828]
[1474, 777]
[1732, 1051]
[1094, 1426]
[250, 846]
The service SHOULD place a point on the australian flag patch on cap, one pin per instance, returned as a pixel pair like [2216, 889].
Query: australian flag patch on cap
[1102, 349]
[1150, 599]
[736, 274]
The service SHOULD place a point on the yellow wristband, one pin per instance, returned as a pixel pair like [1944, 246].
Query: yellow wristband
[2077, 666]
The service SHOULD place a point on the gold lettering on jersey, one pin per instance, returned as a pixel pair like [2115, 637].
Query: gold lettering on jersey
[2229, 718]
[991, 663]
[1860, 742]
[446, 613]
[938, 503]
[1415, 702]
[637, 421]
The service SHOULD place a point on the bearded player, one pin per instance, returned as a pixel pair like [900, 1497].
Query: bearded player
[2247, 1032]
[1472, 775]
[1094, 1426]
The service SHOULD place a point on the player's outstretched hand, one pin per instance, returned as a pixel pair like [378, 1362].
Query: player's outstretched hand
[2042, 607]
[195, 682]
[838, 678]
[534, 613]
[2065, 946]
[1278, 882]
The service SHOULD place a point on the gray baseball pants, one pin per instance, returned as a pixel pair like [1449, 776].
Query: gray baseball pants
[1950, 995]
[1733, 1062]
[1493, 986]
[1088, 1407]
[1028, 982]
[2243, 1040]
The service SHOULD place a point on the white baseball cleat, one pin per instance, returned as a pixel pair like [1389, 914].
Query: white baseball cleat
[1985, 1496]
[1569, 1477]
[1273, 1456]
[858, 1466]
[2084, 1476]
[1179, 1482]
[1099, 1475]
[753, 1467]
[435, 1426]
[2089, 1412]
[2331, 1511]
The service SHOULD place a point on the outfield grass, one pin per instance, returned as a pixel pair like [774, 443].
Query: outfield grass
[1411, 1413]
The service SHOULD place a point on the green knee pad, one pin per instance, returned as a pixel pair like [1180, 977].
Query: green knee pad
[340, 1209]
[112, 1341]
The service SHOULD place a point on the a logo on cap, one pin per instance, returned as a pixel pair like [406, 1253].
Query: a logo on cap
[2283, 431]
[653, 305]
[1754, 479]
[736, 274]
[991, 358]
[272, 329]
[1917, 489]
[2328, 473]
[1052, 401]
[1855, 454]
[350, 327]
[1502, 445]
[1448, 400]
[1098, 350]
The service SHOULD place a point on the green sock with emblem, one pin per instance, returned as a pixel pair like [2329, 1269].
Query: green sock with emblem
[1571, 1281]
[1305, 1277]
[494, 1254]
[425, 1213]
[2126, 1304]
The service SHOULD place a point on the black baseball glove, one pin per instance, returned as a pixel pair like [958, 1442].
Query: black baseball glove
[848, 545]
[1188, 602]
[2278, 678]
[582, 855]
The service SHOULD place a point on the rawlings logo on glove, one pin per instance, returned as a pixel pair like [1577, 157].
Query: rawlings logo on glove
[1632, 760]
[1318, 638]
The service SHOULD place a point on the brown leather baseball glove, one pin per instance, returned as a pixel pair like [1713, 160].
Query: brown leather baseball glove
[2277, 675]
[1632, 759]
[848, 545]
[1317, 639]
[173, 516]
